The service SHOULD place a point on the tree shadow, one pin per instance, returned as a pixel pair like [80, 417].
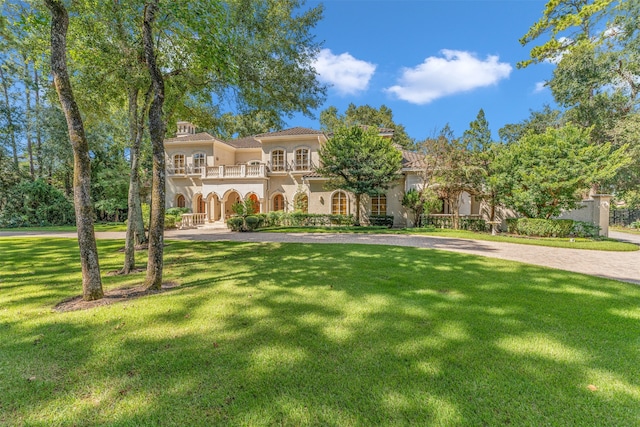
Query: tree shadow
[301, 334]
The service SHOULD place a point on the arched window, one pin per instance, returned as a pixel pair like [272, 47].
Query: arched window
[180, 201]
[301, 203]
[379, 205]
[278, 202]
[199, 162]
[339, 203]
[178, 164]
[302, 159]
[277, 160]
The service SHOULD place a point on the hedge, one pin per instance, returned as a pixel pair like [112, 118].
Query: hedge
[538, 227]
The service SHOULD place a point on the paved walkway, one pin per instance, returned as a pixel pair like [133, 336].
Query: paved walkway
[624, 266]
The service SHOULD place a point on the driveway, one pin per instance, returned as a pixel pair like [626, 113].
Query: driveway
[623, 266]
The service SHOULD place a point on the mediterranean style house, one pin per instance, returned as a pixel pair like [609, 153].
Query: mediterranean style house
[276, 170]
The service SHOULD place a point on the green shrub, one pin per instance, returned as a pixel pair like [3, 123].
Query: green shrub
[251, 222]
[470, 224]
[35, 203]
[512, 225]
[539, 227]
[585, 229]
[171, 216]
[381, 220]
[235, 223]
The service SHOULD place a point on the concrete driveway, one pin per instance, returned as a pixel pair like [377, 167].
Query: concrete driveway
[623, 266]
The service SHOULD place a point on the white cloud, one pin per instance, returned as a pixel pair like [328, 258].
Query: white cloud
[455, 72]
[346, 73]
[540, 87]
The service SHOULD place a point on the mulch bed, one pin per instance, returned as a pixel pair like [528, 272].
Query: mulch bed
[111, 296]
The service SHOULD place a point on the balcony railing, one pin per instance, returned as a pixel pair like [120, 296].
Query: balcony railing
[291, 167]
[233, 171]
[239, 171]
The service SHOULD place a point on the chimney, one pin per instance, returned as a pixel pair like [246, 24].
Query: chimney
[185, 129]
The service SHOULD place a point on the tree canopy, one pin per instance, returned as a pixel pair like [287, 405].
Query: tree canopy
[365, 115]
[543, 174]
[359, 160]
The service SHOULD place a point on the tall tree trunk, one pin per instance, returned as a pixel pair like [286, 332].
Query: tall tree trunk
[156, 131]
[9, 117]
[358, 196]
[135, 225]
[36, 84]
[91, 282]
[28, 115]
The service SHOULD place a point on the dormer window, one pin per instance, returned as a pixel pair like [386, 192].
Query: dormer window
[302, 159]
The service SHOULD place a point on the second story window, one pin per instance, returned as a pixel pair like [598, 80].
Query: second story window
[199, 162]
[178, 164]
[277, 160]
[302, 159]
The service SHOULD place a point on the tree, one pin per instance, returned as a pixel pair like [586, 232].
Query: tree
[359, 160]
[483, 151]
[595, 46]
[365, 115]
[450, 169]
[538, 122]
[156, 129]
[421, 201]
[543, 174]
[91, 281]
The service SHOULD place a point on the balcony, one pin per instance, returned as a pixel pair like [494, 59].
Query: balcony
[220, 172]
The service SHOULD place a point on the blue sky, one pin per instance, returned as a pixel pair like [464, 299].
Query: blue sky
[432, 62]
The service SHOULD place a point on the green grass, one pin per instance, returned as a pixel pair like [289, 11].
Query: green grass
[625, 229]
[108, 226]
[577, 243]
[297, 334]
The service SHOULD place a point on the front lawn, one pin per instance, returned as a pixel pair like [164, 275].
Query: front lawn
[577, 243]
[298, 334]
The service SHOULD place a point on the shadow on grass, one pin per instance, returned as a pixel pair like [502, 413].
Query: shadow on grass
[298, 334]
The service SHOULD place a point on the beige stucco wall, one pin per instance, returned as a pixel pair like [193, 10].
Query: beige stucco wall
[224, 155]
[246, 156]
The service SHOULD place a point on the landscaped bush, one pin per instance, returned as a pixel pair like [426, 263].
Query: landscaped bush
[301, 219]
[470, 224]
[235, 223]
[381, 220]
[171, 216]
[35, 203]
[539, 227]
[512, 225]
[585, 229]
[251, 222]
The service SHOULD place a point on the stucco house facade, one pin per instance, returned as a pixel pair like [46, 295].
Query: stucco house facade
[276, 170]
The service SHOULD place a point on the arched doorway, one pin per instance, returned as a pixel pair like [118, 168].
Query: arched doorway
[230, 199]
[201, 205]
[256, 202]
